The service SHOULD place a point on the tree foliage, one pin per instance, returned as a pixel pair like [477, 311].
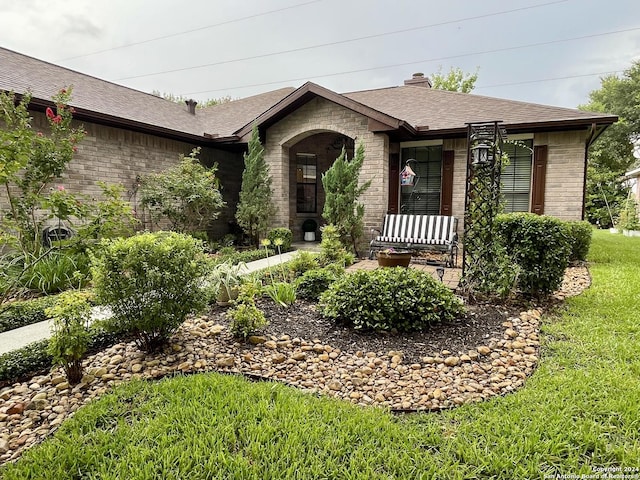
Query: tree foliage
[612, 153]
[182, 99]
[454, 81]
[31, 160]
[341, 207]
[188, 195]
[255, 207]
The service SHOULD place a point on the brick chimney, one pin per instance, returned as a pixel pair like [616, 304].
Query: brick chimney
[191, 106]
[418, 80]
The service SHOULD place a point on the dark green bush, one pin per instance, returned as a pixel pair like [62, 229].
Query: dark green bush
[151, 282]
[398, 298]
[24, 312]
[315, 282]
[540, 246]
[580, 238]
[284, 234]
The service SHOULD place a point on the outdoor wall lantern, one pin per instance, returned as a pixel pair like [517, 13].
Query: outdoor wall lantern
[440, 272]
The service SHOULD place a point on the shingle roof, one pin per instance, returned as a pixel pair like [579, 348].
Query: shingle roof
[413, 106]
[443, 110]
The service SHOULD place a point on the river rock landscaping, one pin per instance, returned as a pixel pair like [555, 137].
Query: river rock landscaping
[489, 353]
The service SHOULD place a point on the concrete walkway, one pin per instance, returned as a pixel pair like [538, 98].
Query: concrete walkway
[20, 337]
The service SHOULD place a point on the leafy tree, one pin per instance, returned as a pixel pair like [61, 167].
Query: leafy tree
[612, 153]
[341, 207]
[188, 195]
[181, 99]
[454, 81]
[255, 207]
[30, 161]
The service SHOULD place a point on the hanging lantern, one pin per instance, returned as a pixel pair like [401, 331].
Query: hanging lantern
[407, 176]
[481, 155]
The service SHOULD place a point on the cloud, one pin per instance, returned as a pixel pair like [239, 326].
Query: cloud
[81, 26]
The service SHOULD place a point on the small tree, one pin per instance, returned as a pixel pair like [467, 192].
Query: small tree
[188, 195]
[454, 81]
[341, 207]
[255, 207]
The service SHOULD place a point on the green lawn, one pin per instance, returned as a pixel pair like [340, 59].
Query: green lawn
[578, 413]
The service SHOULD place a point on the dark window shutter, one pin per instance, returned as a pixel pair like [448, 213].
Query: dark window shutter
[539, 175]
[394, 182]
[446, 194]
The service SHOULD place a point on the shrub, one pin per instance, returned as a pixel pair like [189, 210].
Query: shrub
[314, 282]
[282, 293]
[302, 262]
[230, 255]
[389, 298]
[33, 358]
[539, 245]
[331, 248]
[223, 281]
[246, 318]
[25, 312]
[151, 282]
[283, 234]
[70, 338]
[579, 233]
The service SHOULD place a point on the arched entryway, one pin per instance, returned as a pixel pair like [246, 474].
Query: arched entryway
[309, 158]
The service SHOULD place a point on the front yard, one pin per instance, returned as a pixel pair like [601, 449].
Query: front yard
[577, 414]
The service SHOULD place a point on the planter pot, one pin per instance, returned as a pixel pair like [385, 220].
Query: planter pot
[225, 296]
[309, 236]
[614, 230]
[395, 259]
[631, 233]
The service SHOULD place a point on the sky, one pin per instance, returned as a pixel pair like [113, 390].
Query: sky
[551, 52]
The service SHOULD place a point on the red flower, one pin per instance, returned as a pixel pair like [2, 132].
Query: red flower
[50, 114]
[75, 149]
[61, 188]
[39, 134]
[63, 91]
[57, 119]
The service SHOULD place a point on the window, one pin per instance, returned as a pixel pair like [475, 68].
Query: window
[423, 197]
[516, 177]
[306, 183]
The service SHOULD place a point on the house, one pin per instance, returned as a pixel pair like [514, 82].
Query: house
[633, 180]
[303, 130]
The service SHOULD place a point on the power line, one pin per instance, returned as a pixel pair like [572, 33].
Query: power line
[185, 32]
[340, 42]
[404, 64]
[548, 79]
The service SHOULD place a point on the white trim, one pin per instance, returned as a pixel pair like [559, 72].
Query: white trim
[633, 173]
[420, 143]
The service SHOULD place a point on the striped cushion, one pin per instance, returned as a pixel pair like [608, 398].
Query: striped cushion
[418, 229]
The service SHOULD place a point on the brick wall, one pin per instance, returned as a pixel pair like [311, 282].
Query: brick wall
[115, 155]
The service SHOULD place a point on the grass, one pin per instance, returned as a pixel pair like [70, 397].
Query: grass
[578, 413]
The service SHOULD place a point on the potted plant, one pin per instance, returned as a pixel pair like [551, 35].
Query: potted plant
[309, 227]
[225, 280]
[391, 257]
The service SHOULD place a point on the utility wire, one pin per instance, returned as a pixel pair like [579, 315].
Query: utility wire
[547, 79]
[404, 64]
[341, 42]
[185, 32]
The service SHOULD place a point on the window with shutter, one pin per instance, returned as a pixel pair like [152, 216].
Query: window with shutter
[423, 197]
[516, 176]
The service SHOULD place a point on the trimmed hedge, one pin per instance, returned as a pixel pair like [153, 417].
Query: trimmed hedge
[398, 298]
[283, 234]
[314, 282]
[24, 312]
[580, 238]
[540, 246]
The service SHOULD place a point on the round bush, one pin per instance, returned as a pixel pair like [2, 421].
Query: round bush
[540, 246]
[284, 234]
[389, 298]
[580, 237]
[151, 282]
[314, 282]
